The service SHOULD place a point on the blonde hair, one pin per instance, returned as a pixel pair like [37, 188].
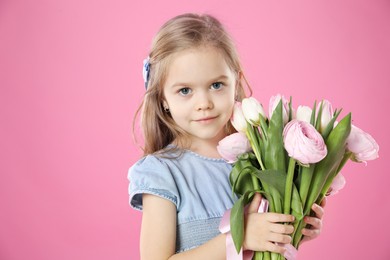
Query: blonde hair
[180, 33]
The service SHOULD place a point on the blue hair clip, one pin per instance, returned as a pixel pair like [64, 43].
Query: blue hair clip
[146, 71]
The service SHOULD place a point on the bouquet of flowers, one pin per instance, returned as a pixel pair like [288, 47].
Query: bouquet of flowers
[293, 158]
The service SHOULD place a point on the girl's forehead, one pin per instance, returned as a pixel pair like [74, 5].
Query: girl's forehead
[199, 50]
[197, 64]
[206, 57]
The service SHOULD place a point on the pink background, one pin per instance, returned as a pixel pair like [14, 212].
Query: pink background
[70, 80]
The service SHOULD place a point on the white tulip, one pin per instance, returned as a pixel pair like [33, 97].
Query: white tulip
[327, 114]
[304, 113]
[252, 110]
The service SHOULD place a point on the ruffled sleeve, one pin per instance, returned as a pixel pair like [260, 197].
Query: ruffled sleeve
[151, 175]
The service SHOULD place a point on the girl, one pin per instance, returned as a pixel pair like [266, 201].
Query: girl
[193, 78]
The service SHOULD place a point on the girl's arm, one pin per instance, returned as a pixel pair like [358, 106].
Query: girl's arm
[158, 234]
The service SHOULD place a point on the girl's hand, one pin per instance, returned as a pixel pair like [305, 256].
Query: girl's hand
[263, 230]
[314, 222]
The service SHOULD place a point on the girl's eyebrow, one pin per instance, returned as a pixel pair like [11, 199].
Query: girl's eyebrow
[221, 77]
[186, 84]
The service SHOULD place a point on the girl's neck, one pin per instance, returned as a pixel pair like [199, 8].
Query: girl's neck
[204, 147]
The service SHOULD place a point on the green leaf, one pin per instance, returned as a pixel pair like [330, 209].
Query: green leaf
[263, 126]
[237, 220]
[276, 181]
[290, 110]
[319, 116]
[241, 182]
[330, 125]
[274, 157]
[274, 178]
[296, 204]
[313, 114]
[306, 175]
[336, 148]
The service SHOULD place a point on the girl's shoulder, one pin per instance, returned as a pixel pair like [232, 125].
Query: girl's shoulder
[172, 154]
[151, 175]
[147, 161]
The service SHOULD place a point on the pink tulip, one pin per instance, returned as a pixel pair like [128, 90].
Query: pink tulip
[273, 103]
[337, 184]
[232, 146]
[362, 145]
[238, 120]
[303, 142]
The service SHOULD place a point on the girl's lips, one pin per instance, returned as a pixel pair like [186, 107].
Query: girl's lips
[205, 120]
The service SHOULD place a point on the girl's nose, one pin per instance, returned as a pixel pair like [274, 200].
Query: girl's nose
[204, 102]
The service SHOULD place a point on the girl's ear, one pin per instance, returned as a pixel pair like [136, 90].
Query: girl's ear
[239, 75]
[239, 78]
[165, 105]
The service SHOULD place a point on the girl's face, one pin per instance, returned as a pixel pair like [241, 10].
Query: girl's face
[199, 92]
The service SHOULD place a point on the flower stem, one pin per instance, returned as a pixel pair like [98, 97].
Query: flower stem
[255, 145]
[329, 181]
[346, 157]
[258, 256]
[288, 188]
[306, 176]
[297, 235]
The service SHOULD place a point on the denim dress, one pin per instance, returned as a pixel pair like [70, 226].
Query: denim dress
[198, 187]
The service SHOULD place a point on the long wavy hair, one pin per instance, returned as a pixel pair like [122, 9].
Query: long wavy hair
[180, 33]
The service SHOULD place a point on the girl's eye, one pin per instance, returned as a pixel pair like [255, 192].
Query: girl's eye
[216, 85]
[185, 91]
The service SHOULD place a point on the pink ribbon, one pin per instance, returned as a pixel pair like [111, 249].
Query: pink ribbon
[231, 252]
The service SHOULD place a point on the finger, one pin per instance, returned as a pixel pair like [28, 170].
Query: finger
[272, 247]
[318, 210]
[311, 233]
[281, 229]
[323, 202]
[254, 205]
[279, 238]
[315, 222]
[277, 217]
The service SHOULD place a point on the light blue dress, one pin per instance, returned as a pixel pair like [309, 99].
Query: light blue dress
[198, 187]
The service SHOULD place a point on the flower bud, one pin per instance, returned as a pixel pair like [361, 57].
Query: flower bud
[304, 113]
[232, 146]
[273, 103]
[327, 114]
[238, 120]
[252, 110]
[337, 184]
[362, 145]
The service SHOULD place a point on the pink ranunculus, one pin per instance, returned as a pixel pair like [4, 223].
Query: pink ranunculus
[362, 145]
[232, 146]
[337, 184]
[303, 142]
[273, 103]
